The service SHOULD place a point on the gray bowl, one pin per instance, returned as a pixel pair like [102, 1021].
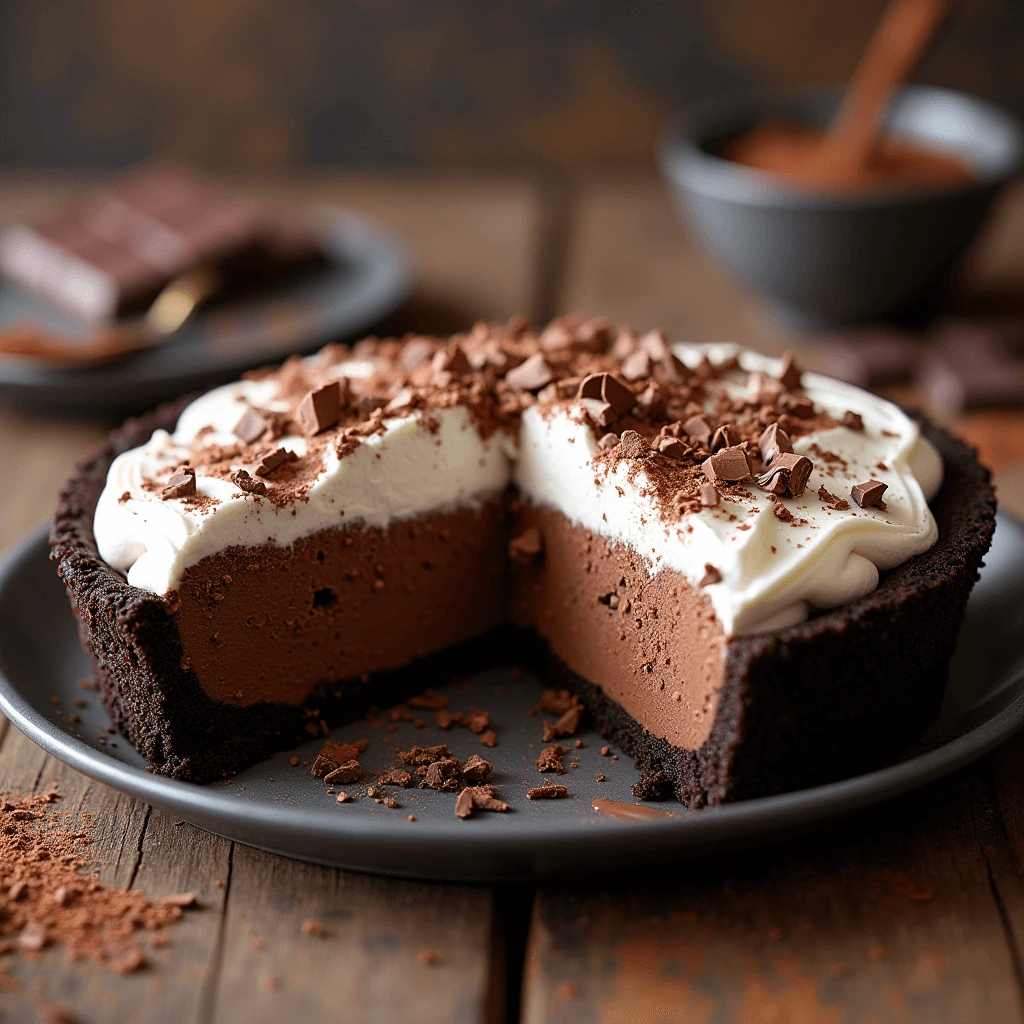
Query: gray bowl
[829, 260]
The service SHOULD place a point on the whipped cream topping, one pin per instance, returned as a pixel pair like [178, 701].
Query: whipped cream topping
[771, 572]
[403, 473]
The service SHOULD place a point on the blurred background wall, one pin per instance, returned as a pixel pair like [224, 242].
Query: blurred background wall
[272, 84]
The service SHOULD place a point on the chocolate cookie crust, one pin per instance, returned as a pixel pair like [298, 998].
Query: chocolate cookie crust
[792, 710]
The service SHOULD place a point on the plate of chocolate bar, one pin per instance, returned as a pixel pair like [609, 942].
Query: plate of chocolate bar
[159, 283]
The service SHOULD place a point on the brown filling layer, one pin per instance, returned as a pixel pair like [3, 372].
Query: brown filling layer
[269, 623]
[652, 644]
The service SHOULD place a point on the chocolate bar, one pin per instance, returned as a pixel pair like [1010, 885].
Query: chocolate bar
[112, 253]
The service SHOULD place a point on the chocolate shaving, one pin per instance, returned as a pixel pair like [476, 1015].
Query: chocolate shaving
[320, 409]
[558, 701]
[246, 483]
[788, 474]
[852, 420]
[429, 700]
[673, 448]
[251, 426]
[789, 375]
[774, 441]
[636, 366]
[729, 466]
[478, 721]
[724, 437]
[869, 493]
[709, 496]
[478, 798]
[530, 375]
[445, 773]
[342, 752]
[655, 344]
[600, 413]
[781, 512]
[762, 389]
[711, 576]
[464, 804]
[350, 771]
[476, 769]
[549, 791]
[833, 500]
[181, 485]
[802, 408]
[566, 725]
[699, 429]
[606, 388]
[275, 460]
[452, 360]
[608, 441]
[421, 756]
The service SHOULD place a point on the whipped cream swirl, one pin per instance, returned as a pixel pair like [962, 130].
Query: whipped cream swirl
[771, 572]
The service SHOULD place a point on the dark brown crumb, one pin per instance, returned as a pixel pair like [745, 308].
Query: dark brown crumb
[549, 791]
[396, 777]
[550, 759]
[428, 700]
[653, 785]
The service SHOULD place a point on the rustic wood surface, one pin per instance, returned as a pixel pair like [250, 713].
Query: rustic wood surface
[912, 912]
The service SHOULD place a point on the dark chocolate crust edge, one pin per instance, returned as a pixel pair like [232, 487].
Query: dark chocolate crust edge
[793, 711]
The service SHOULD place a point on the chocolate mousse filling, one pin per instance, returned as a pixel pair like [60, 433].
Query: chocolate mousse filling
[260, 648]
[274, 623]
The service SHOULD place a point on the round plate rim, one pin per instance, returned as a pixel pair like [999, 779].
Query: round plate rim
[747, 821]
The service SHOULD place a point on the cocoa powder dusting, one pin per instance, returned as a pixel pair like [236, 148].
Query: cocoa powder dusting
[644, 406]
[51, 895]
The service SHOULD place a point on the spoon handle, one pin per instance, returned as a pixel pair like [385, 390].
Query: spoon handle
[900, 42]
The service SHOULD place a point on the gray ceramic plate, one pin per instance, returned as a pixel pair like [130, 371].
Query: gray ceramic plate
[284, 809]
[368, 277]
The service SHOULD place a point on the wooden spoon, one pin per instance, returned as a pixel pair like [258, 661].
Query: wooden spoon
[900, 42]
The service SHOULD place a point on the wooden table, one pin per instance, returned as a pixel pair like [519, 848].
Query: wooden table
[911, 912]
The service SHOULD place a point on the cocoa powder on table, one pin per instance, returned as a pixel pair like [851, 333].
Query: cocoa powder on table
[51, 895]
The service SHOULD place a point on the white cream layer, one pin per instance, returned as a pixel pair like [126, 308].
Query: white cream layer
[772, 572]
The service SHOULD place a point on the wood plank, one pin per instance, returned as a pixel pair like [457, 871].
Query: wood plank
[888, 918]
[366, 965]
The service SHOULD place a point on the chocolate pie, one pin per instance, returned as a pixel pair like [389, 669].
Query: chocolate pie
[694, 539]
